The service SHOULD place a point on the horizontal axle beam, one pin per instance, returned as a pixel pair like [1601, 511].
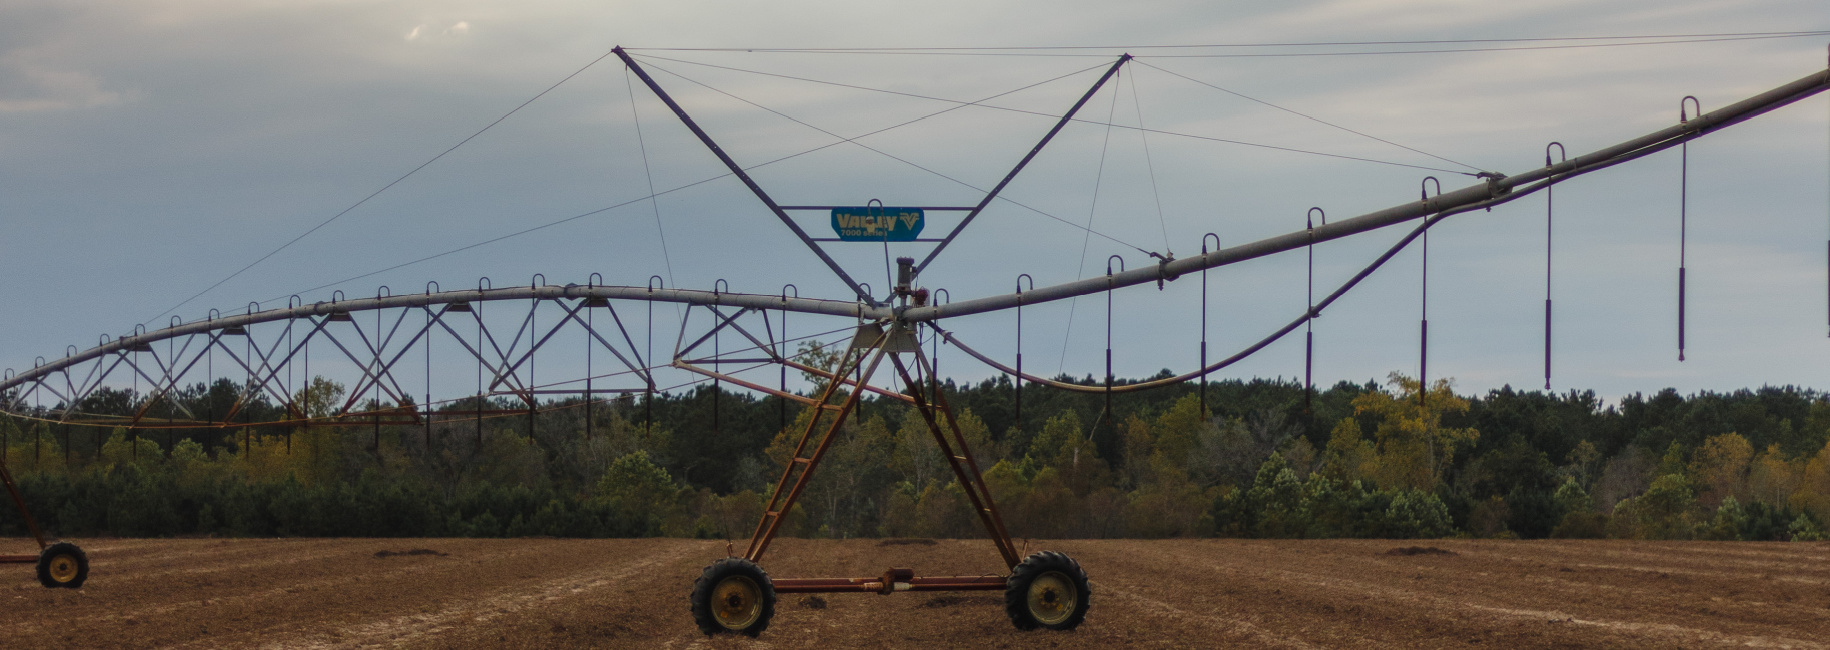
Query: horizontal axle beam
[877, 585]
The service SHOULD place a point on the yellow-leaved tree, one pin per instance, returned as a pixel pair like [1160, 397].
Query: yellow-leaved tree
[1411, 445]
[1720, 467]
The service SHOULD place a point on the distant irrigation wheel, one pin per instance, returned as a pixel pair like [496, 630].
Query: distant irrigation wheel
[733, 595]
[63, 565]
[1048, 590]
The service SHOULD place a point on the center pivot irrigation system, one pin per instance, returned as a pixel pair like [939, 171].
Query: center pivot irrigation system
[1047, 589]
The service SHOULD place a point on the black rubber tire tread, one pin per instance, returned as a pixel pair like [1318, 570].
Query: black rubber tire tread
[1016, 590]
[62, 548]
[716, 572]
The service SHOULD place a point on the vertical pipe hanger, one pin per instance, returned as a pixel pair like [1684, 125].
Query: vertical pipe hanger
[719, 287]
[858, 375]
[941, 297]
[654, 282]
[171, 352]
[1683, 211]
[132, 438]
[1548, 189]
[479, 316]
[429, 286]
[380, 292]
[590, 326]
[1309, 316]
[209, 372]
[1032, 286]
[1203, 379]
[782, 353]
[1423, 343]
[306, 411]
[533, 346]
[1111, 422]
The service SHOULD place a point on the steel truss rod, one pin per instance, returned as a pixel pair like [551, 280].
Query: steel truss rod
[691, 365]
[534, 345]
[850, 308]
[640, 367]
[723, 322]
[743, 176]
[374, 363]
[993, 194]
[170, 382]
[846, 381]
[1497, 188]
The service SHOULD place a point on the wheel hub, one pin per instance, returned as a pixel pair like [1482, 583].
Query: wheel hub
[1052, 598]
[63, 568]
[738, 602]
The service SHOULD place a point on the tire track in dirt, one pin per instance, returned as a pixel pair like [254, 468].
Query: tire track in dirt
[269, 558]
[646, 608]
[1681, 635]
[1140, 583]
[150, 612]
[552, 594]
[1235, 629]
[1580, 581]
[1685, 634]
[1682, 557]
[1726, 589]
[412, 628]
[1790, 553]
[158, 559]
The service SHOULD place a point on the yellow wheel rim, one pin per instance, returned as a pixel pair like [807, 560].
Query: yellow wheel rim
[1052, 598]
[737, 602]
[63, 568]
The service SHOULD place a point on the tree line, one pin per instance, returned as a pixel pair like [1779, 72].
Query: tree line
[1242, 458]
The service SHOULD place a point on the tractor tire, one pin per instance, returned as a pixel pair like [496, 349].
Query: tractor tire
[733, 596]
[63, 565]
[1048, 590]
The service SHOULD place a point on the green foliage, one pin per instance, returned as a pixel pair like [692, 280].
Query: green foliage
[1803, 529]
[1665, 510]
[638, 490]
[1279, 506]
[1366, 460]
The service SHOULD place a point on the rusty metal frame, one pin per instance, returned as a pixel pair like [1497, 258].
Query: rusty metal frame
[24, 512]
[952, 444]
[782, 498]
[373, 362]
[964, 465]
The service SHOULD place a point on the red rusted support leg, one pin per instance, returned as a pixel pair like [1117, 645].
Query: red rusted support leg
[779, 505]
[962, 462]
[32, 524]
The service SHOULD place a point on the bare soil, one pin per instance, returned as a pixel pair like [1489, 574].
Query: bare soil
[546, 593]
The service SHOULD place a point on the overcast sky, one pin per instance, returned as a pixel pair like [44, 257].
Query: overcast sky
[150, 149]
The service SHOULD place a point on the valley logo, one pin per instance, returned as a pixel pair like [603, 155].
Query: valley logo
[875, 224]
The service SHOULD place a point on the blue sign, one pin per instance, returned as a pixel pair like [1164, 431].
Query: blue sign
[877, 224]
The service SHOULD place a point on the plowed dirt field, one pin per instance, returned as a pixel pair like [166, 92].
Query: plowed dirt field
[544, 593]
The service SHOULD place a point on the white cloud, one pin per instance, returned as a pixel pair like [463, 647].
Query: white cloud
[462, 27]
[30, 88]
[414, 35]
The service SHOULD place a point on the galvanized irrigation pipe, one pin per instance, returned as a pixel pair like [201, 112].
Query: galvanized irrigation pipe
[1494, 190]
